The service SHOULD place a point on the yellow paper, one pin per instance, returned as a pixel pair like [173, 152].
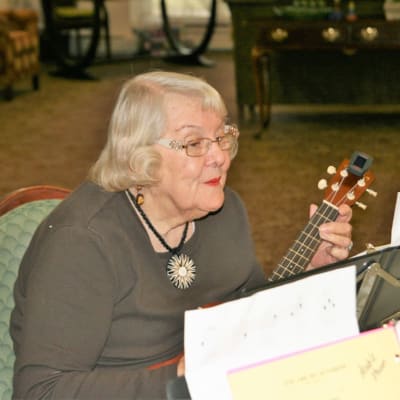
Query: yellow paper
[364, 367]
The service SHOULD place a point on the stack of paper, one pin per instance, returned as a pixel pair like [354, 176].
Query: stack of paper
[279, 321]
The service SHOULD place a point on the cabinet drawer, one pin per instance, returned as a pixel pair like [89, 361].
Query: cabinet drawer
[301, 36]
[376, 34]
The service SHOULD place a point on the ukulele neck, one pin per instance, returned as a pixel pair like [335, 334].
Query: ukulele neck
[305, 246]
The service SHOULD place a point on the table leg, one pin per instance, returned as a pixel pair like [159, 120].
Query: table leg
[261, 65]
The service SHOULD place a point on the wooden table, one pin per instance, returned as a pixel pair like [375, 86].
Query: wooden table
[279, 35]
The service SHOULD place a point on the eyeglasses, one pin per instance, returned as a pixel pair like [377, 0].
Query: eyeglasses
[200, 146]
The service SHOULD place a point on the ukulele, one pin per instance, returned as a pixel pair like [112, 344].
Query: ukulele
[347, 185]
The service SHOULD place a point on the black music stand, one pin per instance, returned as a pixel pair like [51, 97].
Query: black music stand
[378, 285]
[177, 389]
[378, 288]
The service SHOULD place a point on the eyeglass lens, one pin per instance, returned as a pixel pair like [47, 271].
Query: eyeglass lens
[197, 147]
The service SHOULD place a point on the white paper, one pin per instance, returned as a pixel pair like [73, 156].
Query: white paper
[293, 317]
[395, 238]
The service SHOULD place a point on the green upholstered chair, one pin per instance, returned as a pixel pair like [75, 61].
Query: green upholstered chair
[20, 214]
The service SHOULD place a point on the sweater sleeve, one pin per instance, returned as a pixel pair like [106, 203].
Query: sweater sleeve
[68, 288]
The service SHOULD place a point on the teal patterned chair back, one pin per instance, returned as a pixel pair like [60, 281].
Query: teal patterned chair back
[16, 229]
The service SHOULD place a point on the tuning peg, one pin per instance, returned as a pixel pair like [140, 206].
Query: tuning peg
[361, 205]
[370, 248]
[361, 182]
[331, 170]
[322, 184]
[351, 196]
[372, 192]
[344, 173]
[335, 187]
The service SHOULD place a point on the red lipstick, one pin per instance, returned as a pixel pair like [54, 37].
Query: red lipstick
[214, 181]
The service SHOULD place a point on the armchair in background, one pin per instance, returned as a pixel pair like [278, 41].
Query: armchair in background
[20, 213]
[19, 49]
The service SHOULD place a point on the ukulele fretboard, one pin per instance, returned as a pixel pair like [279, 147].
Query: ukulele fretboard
[305, 246]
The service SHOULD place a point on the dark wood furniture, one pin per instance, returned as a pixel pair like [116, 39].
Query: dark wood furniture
[249, 18]
[280, 35]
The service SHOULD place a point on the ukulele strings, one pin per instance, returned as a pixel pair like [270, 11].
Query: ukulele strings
[331, 197]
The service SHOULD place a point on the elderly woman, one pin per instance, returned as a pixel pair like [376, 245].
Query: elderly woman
[105, 282]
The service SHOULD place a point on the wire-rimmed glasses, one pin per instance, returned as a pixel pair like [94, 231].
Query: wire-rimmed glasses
[197, 147]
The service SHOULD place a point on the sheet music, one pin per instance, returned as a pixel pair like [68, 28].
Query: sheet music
[395, 238]
[282, 320]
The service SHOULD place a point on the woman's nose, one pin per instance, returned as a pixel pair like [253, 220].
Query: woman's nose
[216, 154]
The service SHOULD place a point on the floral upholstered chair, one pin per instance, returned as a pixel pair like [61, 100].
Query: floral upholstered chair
[19, 49]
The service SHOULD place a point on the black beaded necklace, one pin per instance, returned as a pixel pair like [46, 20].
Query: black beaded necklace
[180, 268]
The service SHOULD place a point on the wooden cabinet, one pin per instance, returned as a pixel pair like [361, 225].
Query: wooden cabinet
[370, 34]
[251, 20]
[282, 35]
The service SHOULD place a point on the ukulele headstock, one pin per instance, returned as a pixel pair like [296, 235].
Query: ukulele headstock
[349, 181]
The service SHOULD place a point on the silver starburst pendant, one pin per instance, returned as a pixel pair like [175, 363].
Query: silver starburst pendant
[181, 271]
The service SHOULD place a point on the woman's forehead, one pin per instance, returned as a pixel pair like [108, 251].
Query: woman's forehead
[189, 114]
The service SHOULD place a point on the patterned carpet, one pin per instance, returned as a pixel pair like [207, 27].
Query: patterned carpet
[52, 136]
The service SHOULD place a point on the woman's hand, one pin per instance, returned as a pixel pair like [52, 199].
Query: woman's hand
[336, 238]
[180, 370]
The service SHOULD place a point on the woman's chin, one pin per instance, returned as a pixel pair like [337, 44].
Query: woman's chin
[215, 206]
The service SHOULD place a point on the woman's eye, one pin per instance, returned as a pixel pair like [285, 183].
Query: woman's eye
[194, 143]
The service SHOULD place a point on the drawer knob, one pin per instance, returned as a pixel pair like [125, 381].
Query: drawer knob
[331, 34]
[279, 34]
[369, 34]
